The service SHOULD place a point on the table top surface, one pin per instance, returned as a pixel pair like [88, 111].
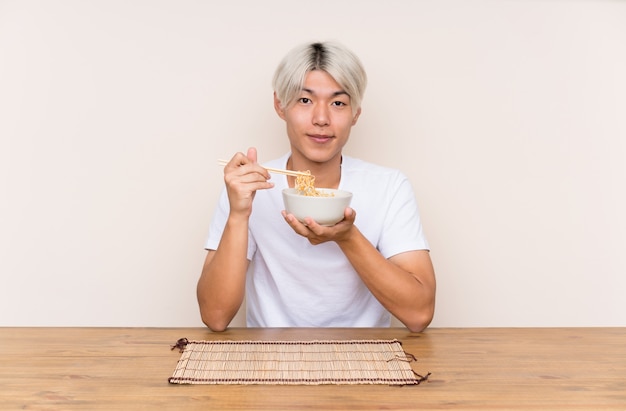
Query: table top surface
[472, 368]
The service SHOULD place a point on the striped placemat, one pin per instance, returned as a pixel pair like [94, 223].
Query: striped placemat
[294, 363]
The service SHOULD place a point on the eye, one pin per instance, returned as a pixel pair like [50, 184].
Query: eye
[304, 100]
[338, 103]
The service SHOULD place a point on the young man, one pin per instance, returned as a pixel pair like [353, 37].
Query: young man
[354, 274]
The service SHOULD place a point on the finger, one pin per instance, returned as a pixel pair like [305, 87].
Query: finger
[349, 215]
[295, 224]
[241, 165]
[238, 159]
[252, 154]
[312, 225]
[248, 183]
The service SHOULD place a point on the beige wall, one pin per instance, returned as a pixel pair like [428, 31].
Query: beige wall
[507, 115]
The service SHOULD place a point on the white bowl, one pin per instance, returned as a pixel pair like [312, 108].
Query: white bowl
[325, 210]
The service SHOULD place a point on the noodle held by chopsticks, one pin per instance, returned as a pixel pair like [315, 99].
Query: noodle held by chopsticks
[305, 184]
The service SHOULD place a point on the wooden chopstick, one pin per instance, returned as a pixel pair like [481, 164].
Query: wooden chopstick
[273, 170]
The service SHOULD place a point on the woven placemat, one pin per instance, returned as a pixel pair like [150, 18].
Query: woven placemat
[294, 363]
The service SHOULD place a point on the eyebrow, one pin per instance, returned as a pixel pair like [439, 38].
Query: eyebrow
[335, 94]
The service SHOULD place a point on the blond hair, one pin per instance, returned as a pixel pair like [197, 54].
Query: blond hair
[335, 59]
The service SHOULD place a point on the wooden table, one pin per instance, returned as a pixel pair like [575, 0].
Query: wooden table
[472, 368]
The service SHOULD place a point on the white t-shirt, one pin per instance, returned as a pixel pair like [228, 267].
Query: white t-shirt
[292, 283]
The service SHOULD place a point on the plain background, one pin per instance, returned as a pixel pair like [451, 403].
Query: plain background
[508, 116]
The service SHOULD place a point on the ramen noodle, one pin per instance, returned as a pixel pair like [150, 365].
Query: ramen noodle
[305, 184]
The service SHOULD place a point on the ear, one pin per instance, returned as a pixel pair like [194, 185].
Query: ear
[278, 107]
[356, 116]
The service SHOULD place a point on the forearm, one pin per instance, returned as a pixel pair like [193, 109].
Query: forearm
[404, 284]
[221, 286]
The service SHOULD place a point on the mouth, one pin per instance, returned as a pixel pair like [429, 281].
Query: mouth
[320, 138]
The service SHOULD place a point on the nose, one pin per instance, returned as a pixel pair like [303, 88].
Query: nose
[321, 115]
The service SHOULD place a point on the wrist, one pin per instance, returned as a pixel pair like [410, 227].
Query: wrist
[237, 219]
[348, 237]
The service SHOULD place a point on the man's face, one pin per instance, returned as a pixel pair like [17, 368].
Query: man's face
[320, 120]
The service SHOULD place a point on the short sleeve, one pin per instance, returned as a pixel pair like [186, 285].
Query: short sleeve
[402, 228]
[218, 222]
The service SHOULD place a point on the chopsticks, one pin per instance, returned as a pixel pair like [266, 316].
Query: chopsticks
[273, 170]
